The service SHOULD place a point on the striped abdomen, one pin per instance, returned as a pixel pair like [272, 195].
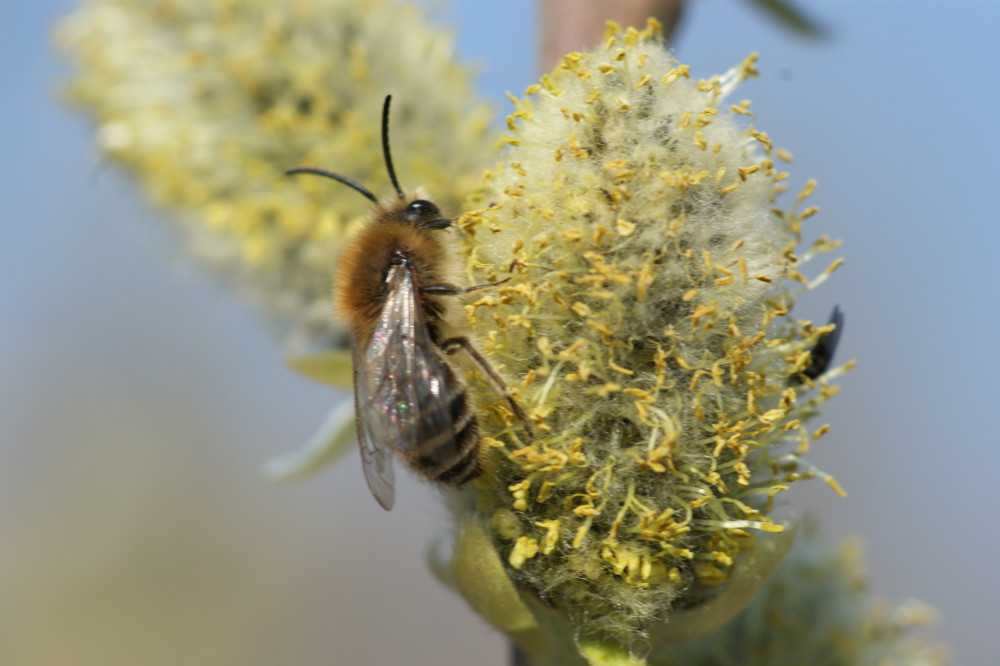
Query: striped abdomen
[447, 444]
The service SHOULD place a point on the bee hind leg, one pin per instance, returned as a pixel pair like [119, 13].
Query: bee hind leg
[452, 345]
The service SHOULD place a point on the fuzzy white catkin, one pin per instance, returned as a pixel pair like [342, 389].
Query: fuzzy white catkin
[646, 324]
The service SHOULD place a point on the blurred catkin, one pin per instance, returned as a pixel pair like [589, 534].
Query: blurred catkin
[816, 610]
[647, 326]
[207, 102]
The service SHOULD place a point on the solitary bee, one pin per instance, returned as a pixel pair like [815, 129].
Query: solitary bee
[393, 288]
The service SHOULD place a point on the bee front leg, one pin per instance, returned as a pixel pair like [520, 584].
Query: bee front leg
[452, 345]
[452, 290]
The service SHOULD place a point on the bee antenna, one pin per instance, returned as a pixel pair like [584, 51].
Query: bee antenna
[385, 147]
[351, 183]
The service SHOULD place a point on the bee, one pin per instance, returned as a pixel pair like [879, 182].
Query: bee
[395, 288]
[821, 355]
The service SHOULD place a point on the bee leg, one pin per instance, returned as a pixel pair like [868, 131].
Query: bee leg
[435, 224]
[452, 290]
[822, 353]
[452, 345]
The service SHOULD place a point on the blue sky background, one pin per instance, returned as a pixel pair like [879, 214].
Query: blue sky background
[138, 399]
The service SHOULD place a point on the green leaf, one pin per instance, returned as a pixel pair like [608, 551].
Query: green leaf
[332, 368]
[753, 570]
[334, 438]
[480, 576]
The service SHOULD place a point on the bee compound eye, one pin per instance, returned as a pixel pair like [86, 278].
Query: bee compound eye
[420, 209]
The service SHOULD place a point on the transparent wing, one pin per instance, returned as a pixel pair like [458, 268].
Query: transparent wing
[403, 388]
[376, 456]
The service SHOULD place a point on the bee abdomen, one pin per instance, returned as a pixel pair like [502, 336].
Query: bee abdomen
[465, 466]
[449, 455]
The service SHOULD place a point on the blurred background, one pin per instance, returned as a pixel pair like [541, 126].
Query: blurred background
[138, 399]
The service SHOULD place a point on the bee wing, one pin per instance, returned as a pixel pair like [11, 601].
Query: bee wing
[376, 456]
[403, 388]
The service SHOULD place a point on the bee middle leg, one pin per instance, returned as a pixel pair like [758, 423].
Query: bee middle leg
[452, 345]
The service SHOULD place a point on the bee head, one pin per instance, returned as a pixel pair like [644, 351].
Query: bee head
[424, 215]
[420, 210]
[421, 213]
